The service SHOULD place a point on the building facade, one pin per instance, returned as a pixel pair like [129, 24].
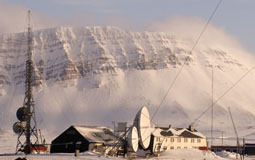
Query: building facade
[84, 138]
[176, 138]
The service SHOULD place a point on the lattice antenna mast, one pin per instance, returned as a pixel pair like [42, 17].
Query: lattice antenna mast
[26, 113]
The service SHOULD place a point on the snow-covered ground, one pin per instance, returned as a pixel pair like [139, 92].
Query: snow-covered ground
[188, 154]
[8, 144]
[87, 156]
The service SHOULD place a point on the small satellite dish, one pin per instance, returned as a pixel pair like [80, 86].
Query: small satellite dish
[18, 127]
[133, 139]
[22, 113]
[143, 123]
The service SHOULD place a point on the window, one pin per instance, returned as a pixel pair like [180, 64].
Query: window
[178, 139]
[178, 147]
[172, 147]
[165, 147]
[198, 140]
[185, 147]
[185, 140]
[172, 139]
[192, 140]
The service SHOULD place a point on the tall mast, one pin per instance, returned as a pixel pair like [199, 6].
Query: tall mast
[212, 107]
[28, 101]
[26, 114]
[237, 138]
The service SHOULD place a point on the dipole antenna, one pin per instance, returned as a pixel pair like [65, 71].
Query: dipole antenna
[26, 114]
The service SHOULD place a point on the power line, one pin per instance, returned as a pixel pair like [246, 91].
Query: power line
[209, 20]
[195, 44]
[228, 90]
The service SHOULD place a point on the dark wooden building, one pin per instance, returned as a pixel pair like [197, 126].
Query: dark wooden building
[249, 148]
[226, 148]
[83, 138]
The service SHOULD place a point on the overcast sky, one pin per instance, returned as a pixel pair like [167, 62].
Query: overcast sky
[234, 16]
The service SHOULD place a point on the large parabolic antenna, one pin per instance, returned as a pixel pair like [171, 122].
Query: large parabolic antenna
[143, 124]
[133, 139]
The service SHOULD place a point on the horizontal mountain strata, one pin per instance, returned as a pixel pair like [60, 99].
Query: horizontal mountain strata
[64, 53]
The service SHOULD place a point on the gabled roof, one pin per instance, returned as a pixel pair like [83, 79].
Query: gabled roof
[96, 133]
[166, 133]
[176, 132]
[189, 134]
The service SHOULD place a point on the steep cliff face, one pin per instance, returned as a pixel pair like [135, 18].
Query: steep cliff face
[108, 73]
[71, 53]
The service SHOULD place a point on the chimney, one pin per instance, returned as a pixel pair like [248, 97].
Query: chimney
[191, 128]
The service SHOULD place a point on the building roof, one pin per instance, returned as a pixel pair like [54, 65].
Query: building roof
[96, 133]
[250, 144]
[224, 147]
[176, 132]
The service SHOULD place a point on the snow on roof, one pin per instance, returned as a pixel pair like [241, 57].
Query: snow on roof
[96, 133]
[176, 132]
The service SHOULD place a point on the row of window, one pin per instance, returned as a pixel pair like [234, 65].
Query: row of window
[220, 150]
[178, 147]
[179, 140]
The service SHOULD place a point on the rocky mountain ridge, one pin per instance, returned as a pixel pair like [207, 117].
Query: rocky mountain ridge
[107, 74]
[70, 53]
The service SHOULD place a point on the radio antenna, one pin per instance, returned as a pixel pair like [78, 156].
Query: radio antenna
[26, 114]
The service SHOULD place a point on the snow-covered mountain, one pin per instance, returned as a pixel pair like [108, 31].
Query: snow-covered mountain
[96, 75]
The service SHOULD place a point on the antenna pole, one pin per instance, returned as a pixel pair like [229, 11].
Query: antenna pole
[28, 87]
[237, 139]
[30, 130]
[222, 138]
[212, 108]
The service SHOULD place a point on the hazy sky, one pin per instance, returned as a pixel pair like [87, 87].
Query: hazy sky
[235, 16]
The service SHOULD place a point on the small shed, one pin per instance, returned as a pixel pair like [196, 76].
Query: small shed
[83, 138]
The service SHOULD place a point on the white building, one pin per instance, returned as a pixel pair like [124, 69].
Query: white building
[176, 138]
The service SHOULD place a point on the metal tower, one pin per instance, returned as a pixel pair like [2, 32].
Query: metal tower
[26, 127]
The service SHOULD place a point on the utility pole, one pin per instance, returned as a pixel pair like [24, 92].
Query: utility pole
[222, 138]
[243, 152]
[237, 139]
[26, 114]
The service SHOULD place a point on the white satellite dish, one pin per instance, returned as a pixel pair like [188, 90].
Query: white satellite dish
[133, 139]
[143, 124]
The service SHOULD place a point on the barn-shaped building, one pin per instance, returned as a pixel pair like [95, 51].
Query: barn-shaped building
[84, 138]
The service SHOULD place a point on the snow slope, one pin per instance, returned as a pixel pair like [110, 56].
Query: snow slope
[96, 75]
[189, 154]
